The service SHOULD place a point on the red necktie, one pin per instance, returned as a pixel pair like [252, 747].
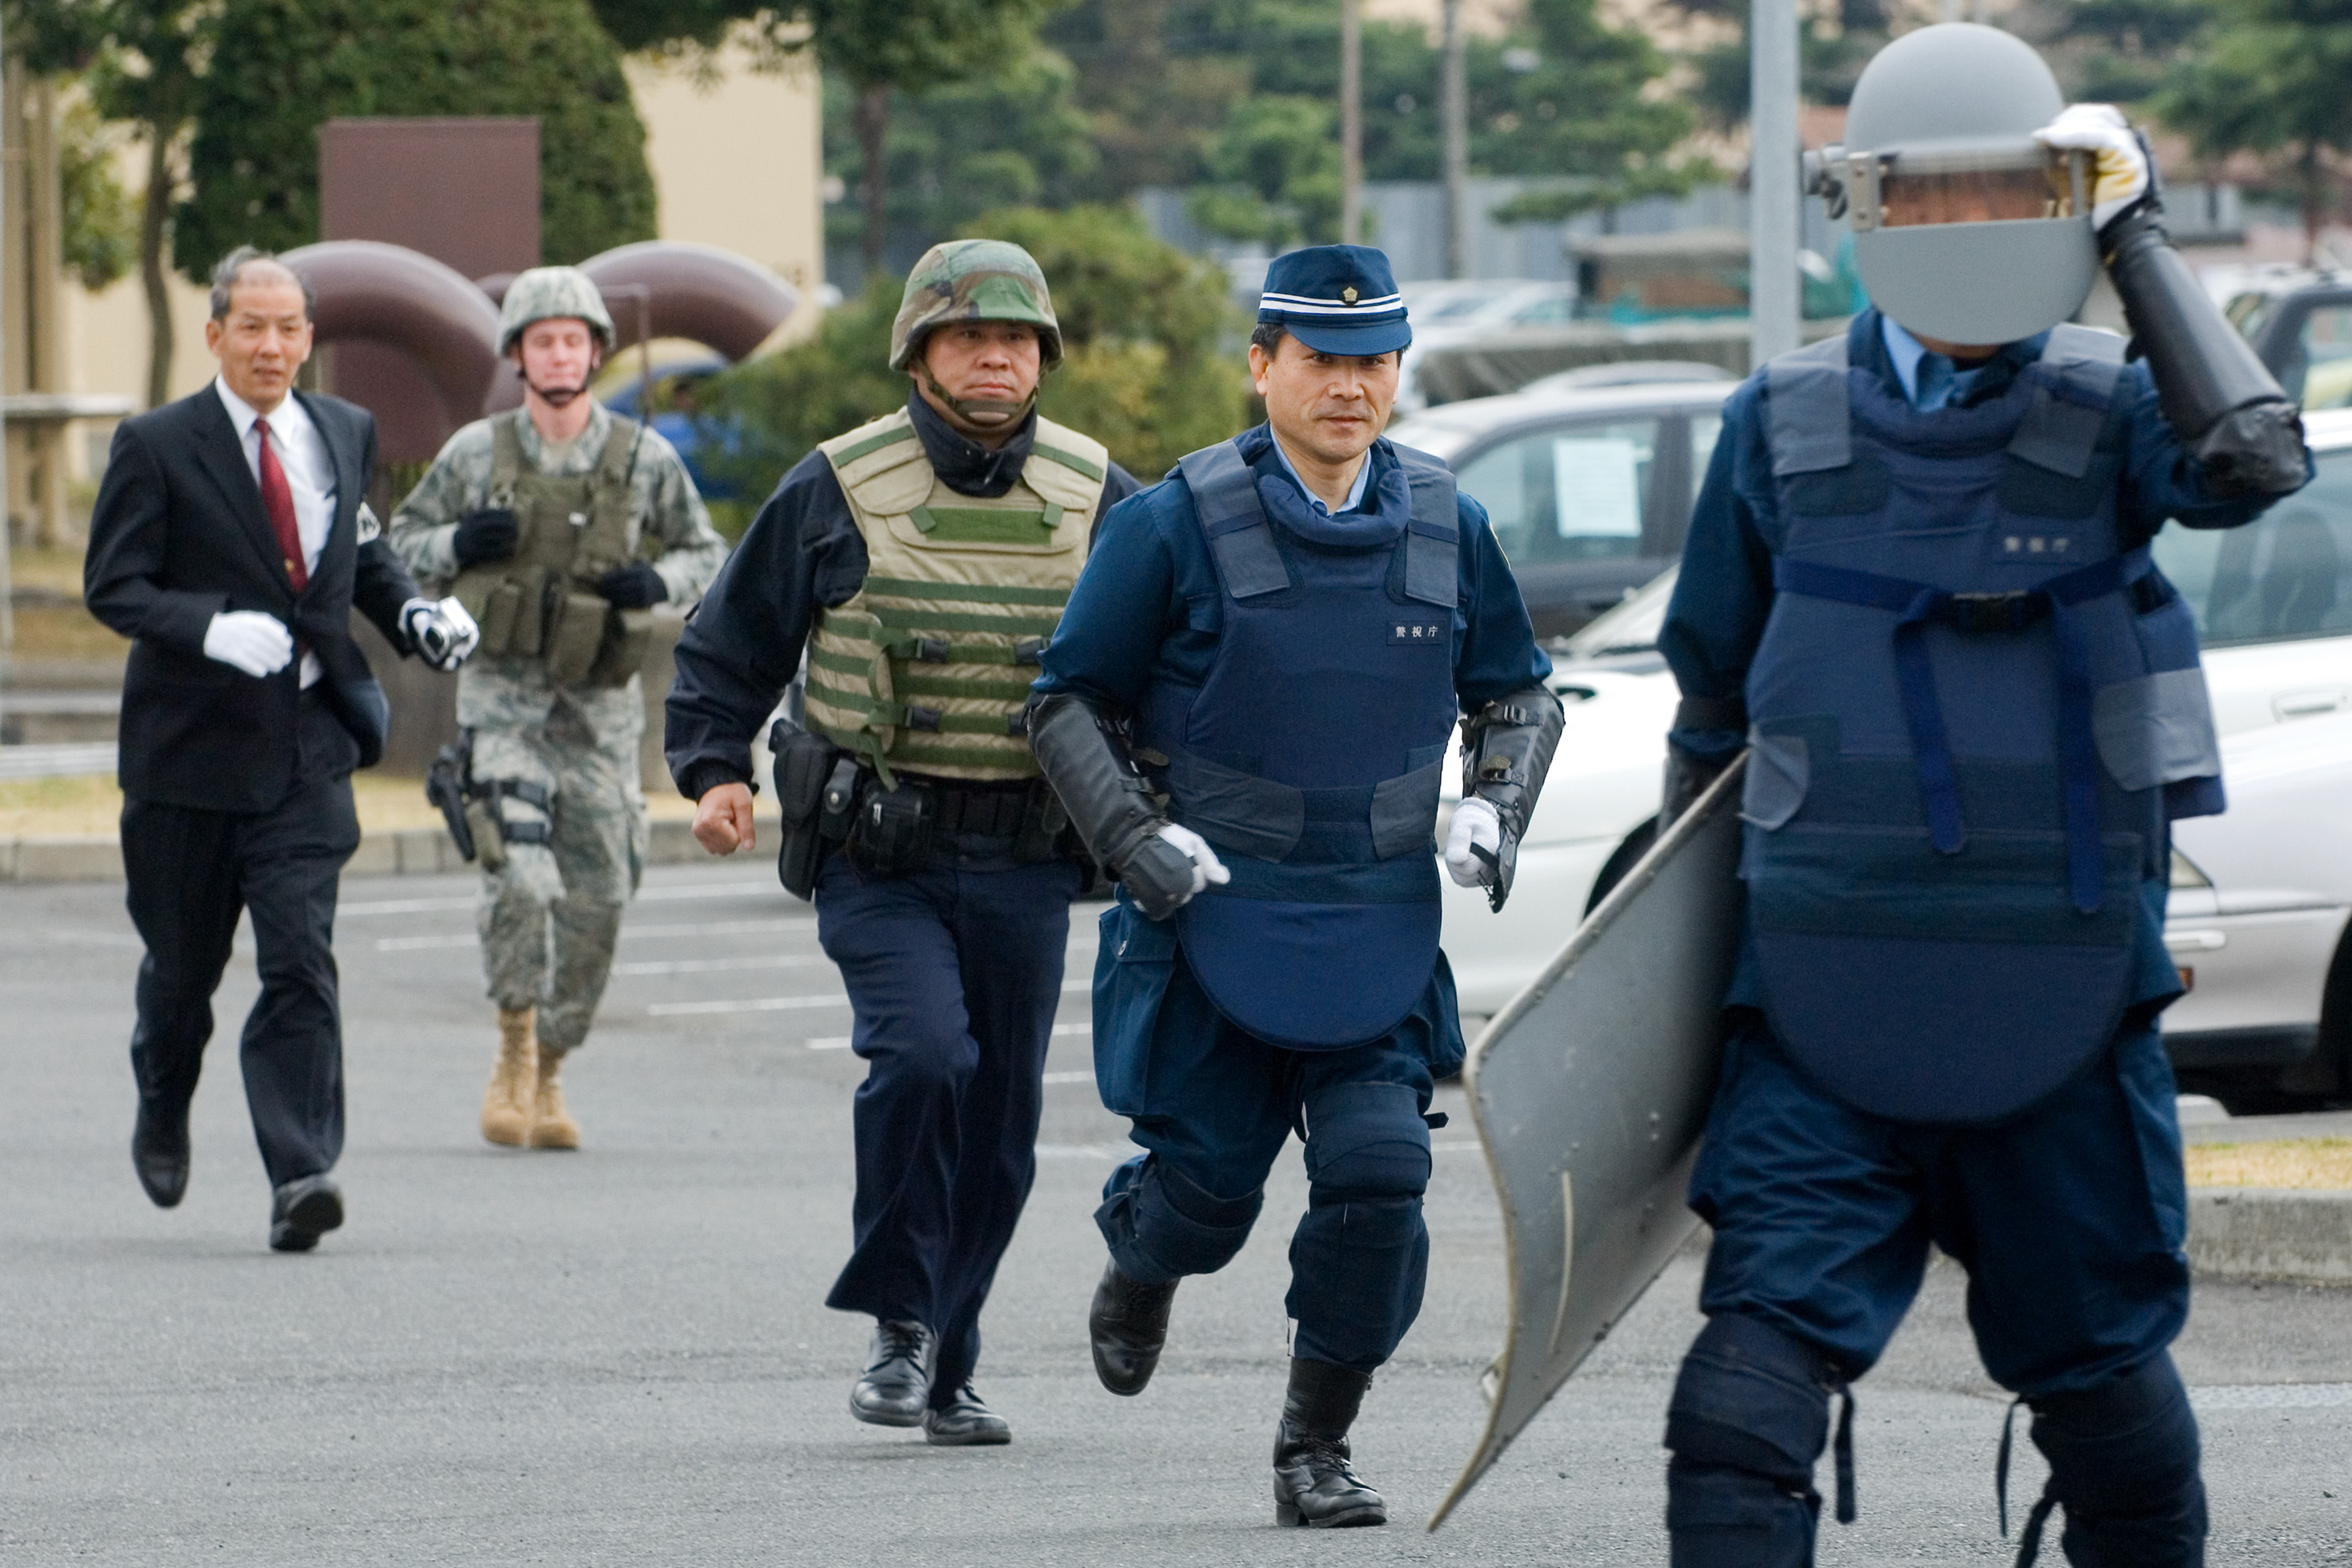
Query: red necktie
[277, 499]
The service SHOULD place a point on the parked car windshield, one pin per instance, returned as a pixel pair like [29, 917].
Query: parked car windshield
[1630, 627]
[2286, 575]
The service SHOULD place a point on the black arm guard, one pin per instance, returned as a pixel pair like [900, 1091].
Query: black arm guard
[2217, 394]
[1109, 801]
[1507, 749]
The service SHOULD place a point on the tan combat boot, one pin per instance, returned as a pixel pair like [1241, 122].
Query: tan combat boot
[506, 1104]
[551, 1126]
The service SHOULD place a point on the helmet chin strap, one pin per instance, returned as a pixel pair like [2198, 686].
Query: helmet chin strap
[988, 412]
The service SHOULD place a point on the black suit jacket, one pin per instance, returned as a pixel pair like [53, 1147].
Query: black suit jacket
[178, 536]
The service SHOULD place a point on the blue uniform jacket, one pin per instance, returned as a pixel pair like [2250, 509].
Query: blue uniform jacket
[1149, 605]
[1715, 619]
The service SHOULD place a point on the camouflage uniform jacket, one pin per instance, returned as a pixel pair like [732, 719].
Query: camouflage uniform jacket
[513, 693]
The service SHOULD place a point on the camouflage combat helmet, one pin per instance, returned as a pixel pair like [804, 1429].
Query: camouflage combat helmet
[548, 293]
[974, 281]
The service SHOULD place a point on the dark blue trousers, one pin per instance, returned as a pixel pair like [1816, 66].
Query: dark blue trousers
[2070, 1221]
[1214, 1105]
[954, 977]
[190, 873]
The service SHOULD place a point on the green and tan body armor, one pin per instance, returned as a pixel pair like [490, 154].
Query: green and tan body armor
[541, 603]
[927, 667]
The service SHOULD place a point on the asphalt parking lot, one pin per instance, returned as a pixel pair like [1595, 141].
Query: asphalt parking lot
[620, 1356]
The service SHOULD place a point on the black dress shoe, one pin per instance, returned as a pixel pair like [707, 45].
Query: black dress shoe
[896, 1382]
[1127, 1326]
[159, 1152]
[963, 1422]
[1314, 1483]
[303, 1210]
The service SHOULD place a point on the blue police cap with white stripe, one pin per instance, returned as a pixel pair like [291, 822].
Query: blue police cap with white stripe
[1337, 298]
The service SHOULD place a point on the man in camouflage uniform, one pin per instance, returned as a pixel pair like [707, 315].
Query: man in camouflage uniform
[564, 525]
[922, 560]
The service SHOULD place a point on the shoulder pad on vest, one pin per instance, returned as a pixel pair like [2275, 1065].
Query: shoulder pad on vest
[1232, 520]
[2081, 368]
[1066, 468]
[1806, 412]
[882, 465]
[620, 449]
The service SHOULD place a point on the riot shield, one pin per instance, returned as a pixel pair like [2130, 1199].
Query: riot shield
[1589, 1091]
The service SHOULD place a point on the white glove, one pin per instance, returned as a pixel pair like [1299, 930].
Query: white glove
[442, 633]
[1206, 867]
[1475, 823]
[251, 640]
[2119, 170]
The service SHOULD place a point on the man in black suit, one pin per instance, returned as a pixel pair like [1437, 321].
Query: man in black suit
[230, 542]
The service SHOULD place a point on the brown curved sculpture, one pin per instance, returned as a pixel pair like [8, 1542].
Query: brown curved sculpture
[404, 299]
[697, 291]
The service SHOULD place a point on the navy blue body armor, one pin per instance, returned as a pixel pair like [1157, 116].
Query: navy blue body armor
[1972, 716]
[1311, 755]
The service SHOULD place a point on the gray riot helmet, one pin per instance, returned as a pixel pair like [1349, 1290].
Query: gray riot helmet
[1965, 227]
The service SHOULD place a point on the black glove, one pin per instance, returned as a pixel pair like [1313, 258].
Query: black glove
[633, 587]
[1687, 777]
[488, 534]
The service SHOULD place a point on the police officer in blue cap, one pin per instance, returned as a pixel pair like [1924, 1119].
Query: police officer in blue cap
[1246, 710]
[1918, 588]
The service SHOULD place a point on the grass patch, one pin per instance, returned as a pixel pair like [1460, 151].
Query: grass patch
[91, 804]
[2305, 1163]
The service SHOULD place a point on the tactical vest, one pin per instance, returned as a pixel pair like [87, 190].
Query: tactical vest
[1971, 712]
[927, 667]
[541, 601]
[1312, 754]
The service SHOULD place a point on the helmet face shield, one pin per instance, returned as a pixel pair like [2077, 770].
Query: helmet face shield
[1966, 228]
[1958, 242]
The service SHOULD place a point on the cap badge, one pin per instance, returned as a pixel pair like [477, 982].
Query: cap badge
[1347, 295]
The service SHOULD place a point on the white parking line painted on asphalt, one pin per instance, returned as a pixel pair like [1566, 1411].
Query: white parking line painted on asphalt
[746, 1005]
[841, 1043]
[365, 907]
[1086, 1151]
[1087, 1077]
[713, 965]
[2272, 1395]
[628, 933]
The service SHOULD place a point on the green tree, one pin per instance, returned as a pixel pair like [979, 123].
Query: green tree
[2267, 78]
[142, 60]
[910, 46]
[281, 68]
[671, 23]
[101, 220]
[1147, 367]
[1276, 168]
[1010, 137]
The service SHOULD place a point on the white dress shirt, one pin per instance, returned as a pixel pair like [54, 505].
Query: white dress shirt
[309, 475]
[1355, 492]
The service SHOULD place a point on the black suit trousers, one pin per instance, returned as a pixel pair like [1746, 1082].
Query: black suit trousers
[191, 873]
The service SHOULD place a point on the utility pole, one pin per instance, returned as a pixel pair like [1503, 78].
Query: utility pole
[1454, 130]
[1351, 122]
[1772, 180]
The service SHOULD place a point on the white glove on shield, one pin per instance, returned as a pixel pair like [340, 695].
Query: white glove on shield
[251, 640]
[2118, 170]
[1475, 823]
[1206, 867]
[442, 633]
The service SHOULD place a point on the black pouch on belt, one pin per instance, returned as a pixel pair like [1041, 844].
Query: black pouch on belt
[803, 763]
[894, 829]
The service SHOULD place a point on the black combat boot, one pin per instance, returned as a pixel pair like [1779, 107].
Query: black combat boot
[1129, 1324]
[1313, 1482]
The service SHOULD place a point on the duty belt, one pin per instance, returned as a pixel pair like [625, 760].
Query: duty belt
[1982, 614]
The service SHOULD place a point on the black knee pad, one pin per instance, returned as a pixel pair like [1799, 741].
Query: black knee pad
[1161, 1224]
[1751, 1397]
[1366, 1141]
[1748, 1419]
[2123, 1464]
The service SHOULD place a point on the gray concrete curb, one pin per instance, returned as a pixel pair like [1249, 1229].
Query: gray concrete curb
[411, 851]
[2250, 1232]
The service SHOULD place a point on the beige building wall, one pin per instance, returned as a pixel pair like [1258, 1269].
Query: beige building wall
[737, 162]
